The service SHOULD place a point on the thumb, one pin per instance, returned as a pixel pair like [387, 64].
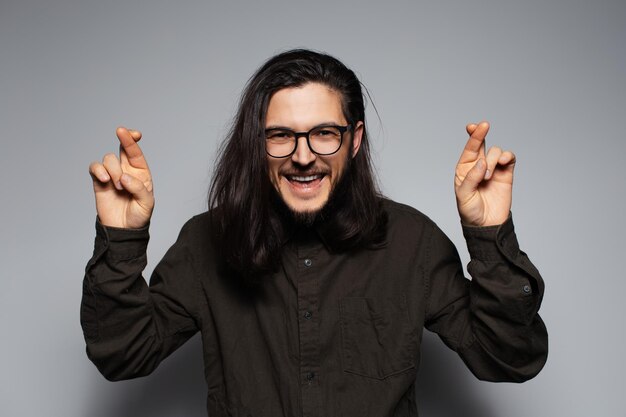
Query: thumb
[473, 178]
[138, 190]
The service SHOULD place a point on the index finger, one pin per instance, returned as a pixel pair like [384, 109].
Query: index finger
[129, 146]
[475, 146]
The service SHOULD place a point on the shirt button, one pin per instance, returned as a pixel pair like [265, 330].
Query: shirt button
[526, 289]
[310, 376]
[308, 315]
[308, 262]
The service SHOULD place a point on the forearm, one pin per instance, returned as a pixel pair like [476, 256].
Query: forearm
[492, 320]
[509, 338]
[125, 325]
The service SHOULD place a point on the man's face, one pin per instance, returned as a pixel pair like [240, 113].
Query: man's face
[305, 180]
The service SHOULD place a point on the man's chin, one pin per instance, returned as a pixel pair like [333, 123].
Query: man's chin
[305, 216]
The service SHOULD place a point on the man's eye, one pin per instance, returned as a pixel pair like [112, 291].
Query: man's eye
[328, 133]
[278, 135]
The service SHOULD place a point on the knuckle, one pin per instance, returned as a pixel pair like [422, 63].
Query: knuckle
[494, 155]
[110, 161]
[109, 157]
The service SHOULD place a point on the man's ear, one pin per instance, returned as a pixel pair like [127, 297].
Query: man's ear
[357, 135]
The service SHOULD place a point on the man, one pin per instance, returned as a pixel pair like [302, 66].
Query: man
[310, 290]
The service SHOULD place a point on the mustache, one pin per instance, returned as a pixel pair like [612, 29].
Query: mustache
[303, 172]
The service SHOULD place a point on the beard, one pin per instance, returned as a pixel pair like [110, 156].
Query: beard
[305, 218]
[311, 218]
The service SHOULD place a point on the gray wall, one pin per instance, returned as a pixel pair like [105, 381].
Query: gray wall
[549, 75]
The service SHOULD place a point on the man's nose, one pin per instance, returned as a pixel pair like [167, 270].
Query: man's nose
[303, 154]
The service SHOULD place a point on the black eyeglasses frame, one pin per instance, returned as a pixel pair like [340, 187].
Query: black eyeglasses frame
[342, 130]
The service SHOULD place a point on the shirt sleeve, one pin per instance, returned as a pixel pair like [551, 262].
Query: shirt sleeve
[130, 327]
[492, 321]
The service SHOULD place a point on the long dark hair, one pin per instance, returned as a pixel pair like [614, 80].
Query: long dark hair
[250, 228]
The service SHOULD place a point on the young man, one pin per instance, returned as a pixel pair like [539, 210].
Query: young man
[310, 290]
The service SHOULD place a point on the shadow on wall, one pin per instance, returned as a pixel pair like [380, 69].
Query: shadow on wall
[445, 388]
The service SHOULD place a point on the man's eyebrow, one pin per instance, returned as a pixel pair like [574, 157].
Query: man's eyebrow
[332, 123]
[272, 127]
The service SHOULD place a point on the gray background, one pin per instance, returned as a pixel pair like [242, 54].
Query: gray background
[549, 75]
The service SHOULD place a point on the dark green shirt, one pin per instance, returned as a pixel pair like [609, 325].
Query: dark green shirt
[329, 334]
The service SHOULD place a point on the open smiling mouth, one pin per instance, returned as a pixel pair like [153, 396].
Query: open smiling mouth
[305, 181]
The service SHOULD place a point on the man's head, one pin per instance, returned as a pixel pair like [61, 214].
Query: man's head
[299, 90]
[309, 144]
[294, 113]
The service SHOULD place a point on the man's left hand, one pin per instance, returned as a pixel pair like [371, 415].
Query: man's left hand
[483, 182]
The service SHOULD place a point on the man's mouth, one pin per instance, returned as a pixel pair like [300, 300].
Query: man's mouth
[304, 181]
[304, 178]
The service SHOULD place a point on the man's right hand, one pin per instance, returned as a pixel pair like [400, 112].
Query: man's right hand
[123, 186]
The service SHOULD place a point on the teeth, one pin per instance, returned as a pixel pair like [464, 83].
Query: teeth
[304, 179]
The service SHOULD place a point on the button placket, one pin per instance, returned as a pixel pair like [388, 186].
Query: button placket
[309, 342]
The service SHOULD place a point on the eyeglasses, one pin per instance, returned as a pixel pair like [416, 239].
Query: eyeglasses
[322, 140]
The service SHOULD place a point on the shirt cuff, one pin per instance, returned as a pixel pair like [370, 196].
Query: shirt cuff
[121, 243]
[492, 243]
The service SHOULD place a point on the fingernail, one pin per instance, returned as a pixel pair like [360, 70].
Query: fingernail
[118, 185]
[104, 177]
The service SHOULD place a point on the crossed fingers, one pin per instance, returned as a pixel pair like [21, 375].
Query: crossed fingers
[474, 151]
[111, 169]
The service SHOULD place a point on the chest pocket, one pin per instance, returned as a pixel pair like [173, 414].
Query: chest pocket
[376, 336]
